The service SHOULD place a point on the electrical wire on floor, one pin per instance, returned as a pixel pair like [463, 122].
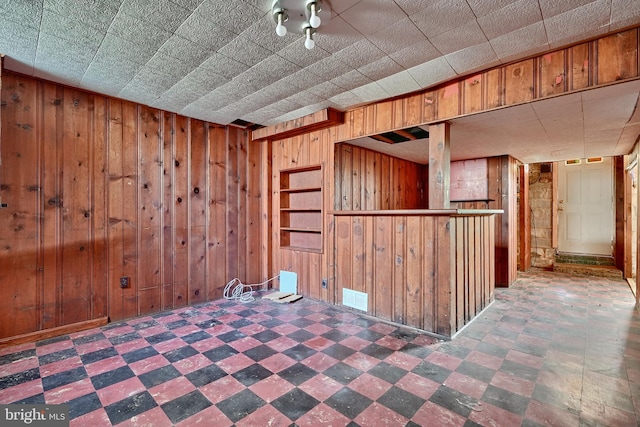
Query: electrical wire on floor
[236, 290]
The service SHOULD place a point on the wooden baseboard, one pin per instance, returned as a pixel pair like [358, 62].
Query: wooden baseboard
[53, 332]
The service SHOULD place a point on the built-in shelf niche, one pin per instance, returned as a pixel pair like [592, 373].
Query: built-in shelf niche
[301, 208]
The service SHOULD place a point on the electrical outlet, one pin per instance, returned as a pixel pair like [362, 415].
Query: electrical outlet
[124, 282]
[324, 283]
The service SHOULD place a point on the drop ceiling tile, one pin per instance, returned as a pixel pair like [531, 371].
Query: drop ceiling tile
[271, 69]
[138, 31]
[345, 100]
[18, 41]
[329, 68]
[54, 51]
[371, 16]
[69, 29]
[245, 51]
[161, 13]
[25, 12]
[233, 15]
[442, 16]
[296, 52]
[304, 97]
[484, 7]
[294, 82]
[359, 54]
[324, 89]
[624, 13]
[521, 43]
[200, 29]
[190, 5]
[510, 18]
[224, 65]
[170, 65]
[399, 83]
[68, 74]
[468, 34]
[370, 92]
[416, 54]
[351, 79]
[185, 50]
[203, 80]
[551, 8]
[262, 33]
[115, 47]
[578, 23]
[344, 5]
[336, 35]
[383, 67]
[98, 14]
[112, 74]
[432, 72]
[397, 36]
[473, 58]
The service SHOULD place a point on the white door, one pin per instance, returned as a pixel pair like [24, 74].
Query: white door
[586, 207]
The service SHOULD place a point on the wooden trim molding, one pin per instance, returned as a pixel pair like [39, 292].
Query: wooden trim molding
[312, 122]
[53, 332]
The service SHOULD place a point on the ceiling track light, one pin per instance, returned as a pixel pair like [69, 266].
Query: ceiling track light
[302, 17]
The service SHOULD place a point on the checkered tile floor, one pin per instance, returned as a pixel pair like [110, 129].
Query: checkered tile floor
[552, 350]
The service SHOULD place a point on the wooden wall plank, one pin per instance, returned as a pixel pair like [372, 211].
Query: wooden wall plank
[399, 254]
[621, 53]
[472, 94]
[102, 190]
[519, 82]
[552, 74]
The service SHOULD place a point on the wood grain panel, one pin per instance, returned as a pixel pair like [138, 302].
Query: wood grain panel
[102, 189]
[621, 53]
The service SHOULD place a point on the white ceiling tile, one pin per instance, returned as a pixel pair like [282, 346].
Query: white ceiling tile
[324, 89]
[26, 12]
[380, 69]
[578, 23]
[359, 54]
[296, 52]
[521, 43]
[473, 58]
[468, 34]
[138, 31]
[432, 72]
[336, 35]
[224, 65]
[344, 5]
[510, 18]
[69, 29]
[161, 13]
[399, 83]
[442, 16]
[200, 29]
[329, 68]
[551, 8]
[484, 7]
[185, 50]
[351, 79]
[416, 54]
[116, 47]
[245, 51]
[18, 41]
[263, 33]
[397, 36]
[97, 14]
[624, 13]
[369, 17]
[345, 99]
[233, 15]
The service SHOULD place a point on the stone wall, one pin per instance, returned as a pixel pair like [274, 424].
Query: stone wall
[541, 203]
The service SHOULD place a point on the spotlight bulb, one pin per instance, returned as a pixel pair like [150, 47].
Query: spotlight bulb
[281, 30]
[309, 43]
[314, 20]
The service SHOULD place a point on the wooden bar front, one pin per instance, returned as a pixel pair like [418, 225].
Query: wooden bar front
[430, 269]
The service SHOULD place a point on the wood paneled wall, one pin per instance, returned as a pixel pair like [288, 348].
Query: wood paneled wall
[431, 272]
[315, 148]
[369, 180]
[98, 189]
[591, 64]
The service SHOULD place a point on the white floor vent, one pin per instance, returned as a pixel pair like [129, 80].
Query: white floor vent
[355, 299]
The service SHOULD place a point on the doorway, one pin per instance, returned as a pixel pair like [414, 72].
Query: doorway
[586, 206]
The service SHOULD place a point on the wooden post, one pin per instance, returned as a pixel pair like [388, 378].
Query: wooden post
[439, 166]
[525, 220]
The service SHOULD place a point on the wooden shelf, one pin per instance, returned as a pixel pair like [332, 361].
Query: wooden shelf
[301, 208]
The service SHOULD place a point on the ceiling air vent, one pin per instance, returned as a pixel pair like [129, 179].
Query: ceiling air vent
[402, 135]
[245, 125]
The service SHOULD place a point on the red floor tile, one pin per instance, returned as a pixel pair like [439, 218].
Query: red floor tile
[321, 387]
[379, 415]
[466, 384]
[68, 392]
[370, 386]
[513, 383]
[319, 362]
[149, 364]
[235, 363]
[277, 362]
[322, 415]
[21, 391]
[271, 388]
[169, 390]
[153, 417]
[445, 360]
[221, 389]
[432, 414]
[420, 386]
[489, 415]
[117, 392]
[192, 363]
[96, 418]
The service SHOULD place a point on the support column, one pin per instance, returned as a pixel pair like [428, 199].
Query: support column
[439, 166]
[525, 220]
